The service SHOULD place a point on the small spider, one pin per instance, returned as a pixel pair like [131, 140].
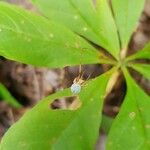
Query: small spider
[76, 86]
[78, 82]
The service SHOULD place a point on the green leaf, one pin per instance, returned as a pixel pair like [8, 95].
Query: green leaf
[82, 17]
[7, 97]
[142, 54]
[107, 28]
[126, 18]
[32, 39]
[45, 128]
[72, 14]
[131, 128]
[144, 69]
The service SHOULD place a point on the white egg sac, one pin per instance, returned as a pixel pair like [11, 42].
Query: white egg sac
[75, 88]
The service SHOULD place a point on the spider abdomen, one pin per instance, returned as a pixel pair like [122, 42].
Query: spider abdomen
[75, 88]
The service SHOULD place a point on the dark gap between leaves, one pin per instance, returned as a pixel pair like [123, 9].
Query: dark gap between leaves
[141, 61]
[140, 80]
[89, 72]
[115, 98]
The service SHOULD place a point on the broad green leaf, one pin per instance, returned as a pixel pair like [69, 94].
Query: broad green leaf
[32, 39]
[7, 97]
[144, 69]
[73, 14]
[127, 14]
[142, 54]
[81, 16]
[131, 128]
[44, 128]
[107, 28]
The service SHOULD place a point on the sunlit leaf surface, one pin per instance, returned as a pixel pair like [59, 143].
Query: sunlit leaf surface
[126, 18]
[32, 39]
[93, 22]
[46, 128]
[131, 128]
